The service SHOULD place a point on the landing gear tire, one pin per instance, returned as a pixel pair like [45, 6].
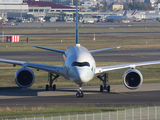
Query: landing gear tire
[101, 88]
[47, 87]
[108, 88]
[54, 87]
[78, 95]
[81, 94]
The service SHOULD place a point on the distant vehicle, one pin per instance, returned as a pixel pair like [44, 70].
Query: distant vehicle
[13, 24]
[158, 19]
[152, 17]
[138, 19]
[120, 18]
[69, 20]
[19, 20]
[126, 21]
[88, 21]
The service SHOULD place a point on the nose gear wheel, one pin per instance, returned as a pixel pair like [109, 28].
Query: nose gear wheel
[79, 93]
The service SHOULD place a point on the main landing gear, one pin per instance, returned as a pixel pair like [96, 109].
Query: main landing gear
[104, 78]
[50, 87]
[79, 92]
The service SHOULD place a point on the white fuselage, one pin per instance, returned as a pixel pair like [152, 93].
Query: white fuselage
[79, 64]
[116, 17]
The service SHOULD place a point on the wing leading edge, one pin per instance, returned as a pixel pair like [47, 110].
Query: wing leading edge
[49, 68]
[103, 69]
[104, 49]
[50, 49]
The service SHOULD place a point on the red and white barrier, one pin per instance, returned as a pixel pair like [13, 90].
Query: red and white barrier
[13, 38]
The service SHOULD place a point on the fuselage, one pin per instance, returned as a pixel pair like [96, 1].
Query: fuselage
[120, 17]
[116, 17]
[79, 64]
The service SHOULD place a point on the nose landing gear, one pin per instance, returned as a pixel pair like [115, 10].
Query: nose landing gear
[79, 93]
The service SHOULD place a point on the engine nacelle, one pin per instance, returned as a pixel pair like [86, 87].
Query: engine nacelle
[24, 77]
[132, 79]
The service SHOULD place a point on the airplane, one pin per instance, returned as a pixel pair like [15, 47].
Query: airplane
[120, 18]
[79, 67]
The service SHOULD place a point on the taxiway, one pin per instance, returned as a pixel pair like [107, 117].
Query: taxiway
[119, 55]
[148, 94]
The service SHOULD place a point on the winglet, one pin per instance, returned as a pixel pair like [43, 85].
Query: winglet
[76, 39]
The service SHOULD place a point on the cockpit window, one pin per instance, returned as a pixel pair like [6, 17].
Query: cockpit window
[80, 64]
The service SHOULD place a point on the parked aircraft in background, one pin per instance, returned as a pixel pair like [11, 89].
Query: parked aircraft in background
[120, 18]
[79, 67]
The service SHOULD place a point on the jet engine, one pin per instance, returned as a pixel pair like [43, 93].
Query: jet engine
[24, 77]
[132, 79]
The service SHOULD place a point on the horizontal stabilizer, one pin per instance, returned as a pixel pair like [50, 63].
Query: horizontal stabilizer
[99, 50]
[50, 49]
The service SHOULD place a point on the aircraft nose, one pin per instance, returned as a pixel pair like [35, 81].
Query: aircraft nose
[83, 75]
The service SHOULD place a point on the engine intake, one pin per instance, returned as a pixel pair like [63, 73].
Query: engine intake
[24, 77]
[132, 79]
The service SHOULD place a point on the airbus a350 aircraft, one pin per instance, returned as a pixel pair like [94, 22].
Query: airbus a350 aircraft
[120, 18]
[79, 67]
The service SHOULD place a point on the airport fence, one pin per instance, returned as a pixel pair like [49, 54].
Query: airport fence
[140, 113]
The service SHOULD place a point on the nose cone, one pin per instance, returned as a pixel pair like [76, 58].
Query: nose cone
[83, 74]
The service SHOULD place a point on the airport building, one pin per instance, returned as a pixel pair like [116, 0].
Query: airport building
[13, 6]
[17, 9]
[90, 3]
[41, 10]
[62, 2]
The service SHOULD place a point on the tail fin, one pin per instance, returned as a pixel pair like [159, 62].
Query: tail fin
[134, 12]
[76, 39]
[125, 13]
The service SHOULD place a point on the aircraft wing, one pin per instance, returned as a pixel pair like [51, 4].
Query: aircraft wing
[99, 50]
[103, 69]
[49, 68]
[51, 49]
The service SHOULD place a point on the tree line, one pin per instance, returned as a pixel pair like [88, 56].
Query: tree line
[137, 5]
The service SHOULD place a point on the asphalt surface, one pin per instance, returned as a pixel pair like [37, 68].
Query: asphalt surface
[148, 94]
[72, 24]
[84, 34]
[95, 25]
[129, 55]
